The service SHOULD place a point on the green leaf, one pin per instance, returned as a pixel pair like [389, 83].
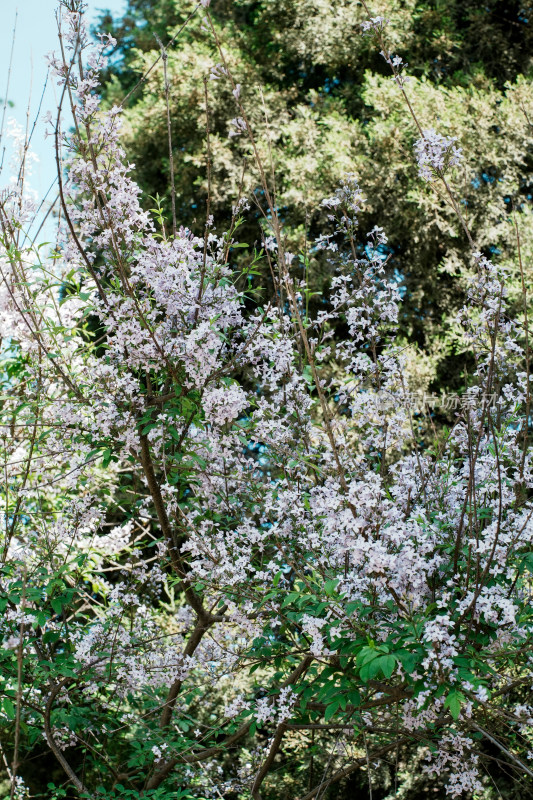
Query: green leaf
[329, 587]
[9, 708]
[374, 668]
[387, 664]
[527, 563]
[453, 702]
[290, 598]
[407, 660]
[331, 710]
[58, 603]
[354, 697]
[351, 607]
[367, 654]
[364, 672]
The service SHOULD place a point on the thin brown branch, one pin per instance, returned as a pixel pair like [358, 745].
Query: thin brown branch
[52, 744]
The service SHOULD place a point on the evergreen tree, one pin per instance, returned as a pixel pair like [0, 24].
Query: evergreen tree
[321, 103]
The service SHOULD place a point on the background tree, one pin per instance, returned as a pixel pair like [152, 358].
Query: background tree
[319, 98]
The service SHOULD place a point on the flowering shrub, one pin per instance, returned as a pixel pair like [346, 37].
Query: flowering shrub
[221, 529]
[435, 153]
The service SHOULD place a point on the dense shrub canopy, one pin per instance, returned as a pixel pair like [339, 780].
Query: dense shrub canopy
[241, 557]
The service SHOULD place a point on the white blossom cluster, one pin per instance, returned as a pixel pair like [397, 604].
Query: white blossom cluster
[435, 153]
